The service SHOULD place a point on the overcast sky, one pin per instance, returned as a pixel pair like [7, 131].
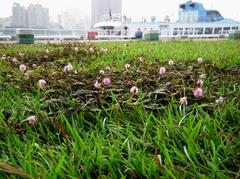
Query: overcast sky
[135, 9]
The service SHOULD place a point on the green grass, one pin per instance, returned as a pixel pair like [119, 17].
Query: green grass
[83, 132]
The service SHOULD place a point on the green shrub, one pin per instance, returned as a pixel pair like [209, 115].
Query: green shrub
[235, 35]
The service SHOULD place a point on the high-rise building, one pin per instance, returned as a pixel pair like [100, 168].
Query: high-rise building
[35, 16]
[19, 16]
[38, 16]
[106, 9]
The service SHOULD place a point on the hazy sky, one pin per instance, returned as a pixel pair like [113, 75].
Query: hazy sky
[132, 8]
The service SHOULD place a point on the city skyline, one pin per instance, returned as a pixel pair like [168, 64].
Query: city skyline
[132, 9]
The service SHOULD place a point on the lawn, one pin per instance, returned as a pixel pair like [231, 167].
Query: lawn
[120, 110]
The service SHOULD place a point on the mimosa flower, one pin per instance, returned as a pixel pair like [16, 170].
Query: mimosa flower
[200, 60]
[68, 68]
[106, 81]
[162, 70]
[127, 66]
[197, 92]
[42, 83]
[183, 100]
[22, 68]
[31, 119]
[134, 90]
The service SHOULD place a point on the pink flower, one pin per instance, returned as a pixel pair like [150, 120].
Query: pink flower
[141, 59]
[91, 50]
[106, 81]
[200, 82]
[68, 68]
[102, 72]
[127, 66]
[76, 49]
[31, 119]
[220, 100]
[200, 60]
[22, 68]
[134, 90]
[170, 62]
[34, 65]
[197, 92]
[42, 83]
[96, 84]
[14, 60]
[183, 100]
[162, 70]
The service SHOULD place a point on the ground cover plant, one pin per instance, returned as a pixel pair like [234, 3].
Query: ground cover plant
[120, 110]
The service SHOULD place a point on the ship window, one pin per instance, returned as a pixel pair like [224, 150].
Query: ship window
[180, 31]
[175, 31]
[208, 30]
[226, 29]
[186, 31]
[217, 30]
[192, 5]
[182, 6]
[190, 31]
[199, 31]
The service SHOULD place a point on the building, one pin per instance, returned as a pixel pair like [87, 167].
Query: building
[19, 16]
[66, 20]
[106, 9]
[38, 16]
[34, 16]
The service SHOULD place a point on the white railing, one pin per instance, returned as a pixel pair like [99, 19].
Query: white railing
[77, 34]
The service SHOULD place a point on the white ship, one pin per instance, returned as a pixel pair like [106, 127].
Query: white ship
[194, 22]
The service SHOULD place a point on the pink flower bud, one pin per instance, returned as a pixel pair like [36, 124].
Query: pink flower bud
[183, 100]
[14, 60]
[127, 66]
[31, 119]
[134, 90]
[220, 100]
[200, 82]
[91, 50]
[42, 83]
[200, 60]
[106, 81]
[141, 59]
[162, 70]
[170, 62]
[97, 84]
[22, 68]
[197, 92]
[76, 49]
[68, 68]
